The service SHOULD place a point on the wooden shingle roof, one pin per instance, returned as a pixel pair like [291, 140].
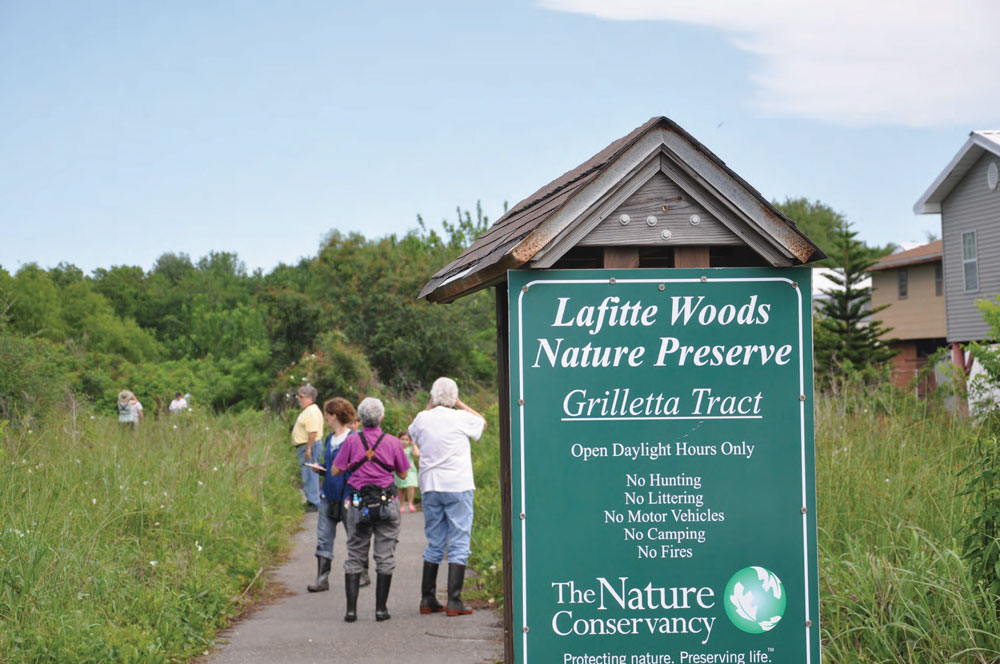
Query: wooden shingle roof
[926, 253]
[535, 222]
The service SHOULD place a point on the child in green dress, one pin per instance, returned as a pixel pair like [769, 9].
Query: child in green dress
[408, 487]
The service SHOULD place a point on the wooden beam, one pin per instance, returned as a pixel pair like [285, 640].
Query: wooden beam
[503, 385]
[625, 258]
[691, 257]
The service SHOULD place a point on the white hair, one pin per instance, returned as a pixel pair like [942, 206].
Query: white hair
[308, 391]
[370, 412]
[444, 392]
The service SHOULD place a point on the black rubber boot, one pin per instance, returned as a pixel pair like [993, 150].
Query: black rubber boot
[456, 578]
[365, 579]
[428, 589]
[382, 583]
[322, 575]
[351, 590]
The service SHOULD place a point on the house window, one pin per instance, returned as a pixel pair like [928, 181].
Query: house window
[970, 261]
[938, 279]
[903, 277]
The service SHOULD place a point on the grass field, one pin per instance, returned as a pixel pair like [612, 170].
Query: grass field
[893, 586]
[123, 546]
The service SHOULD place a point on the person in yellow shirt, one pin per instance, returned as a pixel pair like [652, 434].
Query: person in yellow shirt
[307, 437]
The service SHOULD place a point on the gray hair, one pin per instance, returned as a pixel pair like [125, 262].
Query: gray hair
[444, 392]
[370, 412]
[308, 391]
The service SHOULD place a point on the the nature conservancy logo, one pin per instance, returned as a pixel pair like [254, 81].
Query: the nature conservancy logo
[755, 600]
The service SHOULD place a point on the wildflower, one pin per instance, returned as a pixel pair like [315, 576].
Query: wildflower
[175, 426]
[200, 483]
[29, 471]
[156, 523]
[293, 377]
[92, 417]
[29, 431]
[154, 563]
[215, 469]
[887, 480]
[145, 482]
[93, 501]
[304, 379]
[196, 545]
[161, 507]
[121, 486]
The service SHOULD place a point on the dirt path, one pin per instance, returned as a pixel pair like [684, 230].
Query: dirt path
[304, 627]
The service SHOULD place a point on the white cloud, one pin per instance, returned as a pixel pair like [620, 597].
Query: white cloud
[857, 62]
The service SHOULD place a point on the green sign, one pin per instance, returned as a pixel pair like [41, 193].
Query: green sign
[663, 467]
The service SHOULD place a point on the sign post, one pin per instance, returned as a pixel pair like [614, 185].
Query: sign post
[662, 463]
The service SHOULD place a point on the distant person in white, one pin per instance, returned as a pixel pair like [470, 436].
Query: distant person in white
[178, 405]
[442, 432]
[129, 409]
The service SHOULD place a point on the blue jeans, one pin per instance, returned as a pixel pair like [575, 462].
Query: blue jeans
[326, 529]
[447, 522]
[310, 480]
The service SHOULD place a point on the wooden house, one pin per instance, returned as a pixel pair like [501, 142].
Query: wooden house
[967, 196]
[911, 283]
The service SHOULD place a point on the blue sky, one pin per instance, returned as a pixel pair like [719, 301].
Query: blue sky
[129, 129]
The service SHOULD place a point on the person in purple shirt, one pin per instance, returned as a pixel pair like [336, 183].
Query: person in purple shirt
[371, 456]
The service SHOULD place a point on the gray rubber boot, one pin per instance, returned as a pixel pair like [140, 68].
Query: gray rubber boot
[322, 575]
[351, 590]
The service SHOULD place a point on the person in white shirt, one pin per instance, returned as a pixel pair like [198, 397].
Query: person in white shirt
[129, 409]
[178, 405]
[443, 432]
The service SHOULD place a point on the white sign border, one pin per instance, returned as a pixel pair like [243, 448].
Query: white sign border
[520, 409]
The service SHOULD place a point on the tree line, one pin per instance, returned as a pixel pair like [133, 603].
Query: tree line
[345, 320]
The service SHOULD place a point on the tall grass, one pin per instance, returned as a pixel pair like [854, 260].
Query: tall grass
[893, 586]
[125, 546]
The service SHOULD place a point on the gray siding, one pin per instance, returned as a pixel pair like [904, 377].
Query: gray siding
[971, 206]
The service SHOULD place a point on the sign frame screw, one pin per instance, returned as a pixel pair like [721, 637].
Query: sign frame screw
[803, 510]
[526, 629]
[704, 278]
[611, 281]
[624, 220]
[661, 288]
[520, 402]
[802, 397]
[523, 516]
[651, 220]
[809, 623]
[524, 289]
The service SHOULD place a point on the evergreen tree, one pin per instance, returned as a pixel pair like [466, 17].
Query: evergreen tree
[847, 333]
